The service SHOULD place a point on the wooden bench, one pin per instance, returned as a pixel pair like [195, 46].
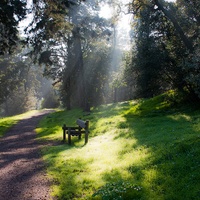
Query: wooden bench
[82, 128]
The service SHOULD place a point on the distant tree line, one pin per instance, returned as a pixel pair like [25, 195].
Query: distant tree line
[75, 48]
[23, 87]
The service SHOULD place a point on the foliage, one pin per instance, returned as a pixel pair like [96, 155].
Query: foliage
[50, 100]
[97, 63]
[11, 12]
[191, 68]
[22, 85]
[149, 58]
[165, 46]
[64, 43]
[67, 36]
[153, 67]
[155, 151]
[12, 71]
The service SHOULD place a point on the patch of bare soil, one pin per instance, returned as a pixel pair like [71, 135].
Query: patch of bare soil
[22, 170]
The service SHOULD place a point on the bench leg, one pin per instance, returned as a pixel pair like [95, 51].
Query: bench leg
[64, 135]
[79, 129]
[86, 137]
[69, 136]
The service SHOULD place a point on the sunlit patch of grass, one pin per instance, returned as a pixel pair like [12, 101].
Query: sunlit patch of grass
[89, 167]
[7, 122]
[153, 154]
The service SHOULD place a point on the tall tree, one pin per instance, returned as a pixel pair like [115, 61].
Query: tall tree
[174, 37]
[149, 55]
[11, 70]
[65, 50]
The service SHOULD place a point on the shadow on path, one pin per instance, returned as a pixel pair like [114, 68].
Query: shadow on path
[22, 170]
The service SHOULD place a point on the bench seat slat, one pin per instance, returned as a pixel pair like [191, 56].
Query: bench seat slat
[72, 128]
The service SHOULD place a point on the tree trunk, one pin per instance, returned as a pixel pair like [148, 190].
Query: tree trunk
[68, 92]
[78, 65]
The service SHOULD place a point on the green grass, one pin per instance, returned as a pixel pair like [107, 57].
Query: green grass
[149, 149]
[7, 122]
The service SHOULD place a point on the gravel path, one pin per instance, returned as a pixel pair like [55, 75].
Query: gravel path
[22, 171]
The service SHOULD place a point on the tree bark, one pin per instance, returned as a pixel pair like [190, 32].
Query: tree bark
[80, 68]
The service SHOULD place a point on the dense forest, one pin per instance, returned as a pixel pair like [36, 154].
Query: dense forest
[67, 54]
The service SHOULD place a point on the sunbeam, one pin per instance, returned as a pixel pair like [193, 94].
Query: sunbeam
[118, 14]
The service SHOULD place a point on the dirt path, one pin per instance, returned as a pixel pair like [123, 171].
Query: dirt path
[22, 171]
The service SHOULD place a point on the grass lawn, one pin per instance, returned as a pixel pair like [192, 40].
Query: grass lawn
[146, 150]
[136, 150]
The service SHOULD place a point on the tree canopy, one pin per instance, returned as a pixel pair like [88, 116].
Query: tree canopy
[166, 38]
[11, 12]
[76, 48]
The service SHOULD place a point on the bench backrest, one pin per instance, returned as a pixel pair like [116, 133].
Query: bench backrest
[83, 124]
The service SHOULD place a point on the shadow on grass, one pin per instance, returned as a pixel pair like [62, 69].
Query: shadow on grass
[170, 170]
[167, 144]
[170, 141]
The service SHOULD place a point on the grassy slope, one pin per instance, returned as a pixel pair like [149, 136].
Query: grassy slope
[136, 150]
